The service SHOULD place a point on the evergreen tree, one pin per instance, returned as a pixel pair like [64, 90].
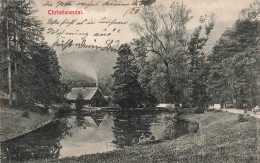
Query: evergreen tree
[34, 65]
[146, 74]
[127, 92]
[46, 71]
[198, 67]
[235, 62]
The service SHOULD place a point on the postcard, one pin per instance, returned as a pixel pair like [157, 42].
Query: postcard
[130, 81]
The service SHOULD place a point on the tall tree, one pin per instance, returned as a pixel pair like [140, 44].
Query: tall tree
[127, 92]
[146, 74]
[6, 43]
[46, 70]
[235, 61]
[167, 53]
[164, 36]
[30, 55]
[197, 65]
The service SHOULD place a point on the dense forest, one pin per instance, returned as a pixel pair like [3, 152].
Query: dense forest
[166, 63]
[30, 71]
[235, 62]
[173, 67]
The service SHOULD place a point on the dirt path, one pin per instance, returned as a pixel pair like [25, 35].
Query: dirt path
[240, 111]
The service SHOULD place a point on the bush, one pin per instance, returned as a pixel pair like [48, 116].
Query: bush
[193, 127]
[217, 110]
[187, 110]
[199, 110]
[214, 110]
[210, 110]
[26, 114]
[177, 127]
[242, 118]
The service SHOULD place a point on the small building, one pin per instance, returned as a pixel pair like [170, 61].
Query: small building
[91, 96]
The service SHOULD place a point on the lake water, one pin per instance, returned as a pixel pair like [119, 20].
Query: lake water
[83, 133]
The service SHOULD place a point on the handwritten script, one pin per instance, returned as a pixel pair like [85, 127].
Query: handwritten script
[78, 28]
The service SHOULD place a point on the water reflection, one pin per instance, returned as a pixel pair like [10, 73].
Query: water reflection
[88, 138]
[129, 126]
[43, 143]
[81, 133]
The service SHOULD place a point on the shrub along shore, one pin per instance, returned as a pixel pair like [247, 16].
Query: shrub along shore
[221, 137]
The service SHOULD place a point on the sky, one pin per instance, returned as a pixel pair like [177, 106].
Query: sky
[226, 11]
[81, 61]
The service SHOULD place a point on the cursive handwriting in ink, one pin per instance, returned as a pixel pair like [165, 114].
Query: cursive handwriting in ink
[63, 44]
[66, 21]
[64, 4]
[89, 4]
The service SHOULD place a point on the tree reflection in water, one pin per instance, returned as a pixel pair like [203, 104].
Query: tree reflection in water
[80, 121]
[40, 144]
[81, 133]
[129, 126]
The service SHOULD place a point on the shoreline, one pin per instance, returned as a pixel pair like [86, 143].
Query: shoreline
[14, 125]
[220, 137]
[46, 119]
[27, 131]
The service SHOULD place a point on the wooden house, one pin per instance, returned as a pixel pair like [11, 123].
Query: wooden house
[91, 96]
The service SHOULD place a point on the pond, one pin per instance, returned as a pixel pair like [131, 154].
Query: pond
[84, 133]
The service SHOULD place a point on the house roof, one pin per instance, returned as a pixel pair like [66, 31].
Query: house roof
[87, 92]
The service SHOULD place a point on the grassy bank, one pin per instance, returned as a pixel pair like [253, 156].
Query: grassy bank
[15, 122]
[221, 138]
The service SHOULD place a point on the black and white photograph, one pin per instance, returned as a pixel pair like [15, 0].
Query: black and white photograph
[130, 81]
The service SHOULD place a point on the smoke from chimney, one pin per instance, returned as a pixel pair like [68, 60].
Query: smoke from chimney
[96, 82]
[84, 68]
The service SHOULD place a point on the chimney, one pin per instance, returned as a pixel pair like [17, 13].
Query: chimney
[96, 82]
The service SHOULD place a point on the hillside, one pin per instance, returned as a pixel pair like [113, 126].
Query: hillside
[84, 68]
